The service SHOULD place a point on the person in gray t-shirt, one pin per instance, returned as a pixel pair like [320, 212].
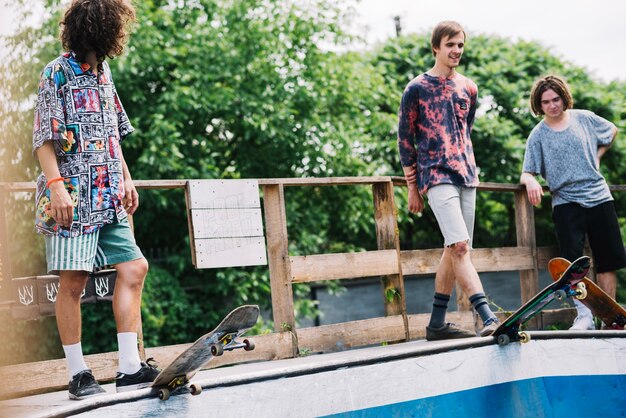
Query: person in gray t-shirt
[565, 149]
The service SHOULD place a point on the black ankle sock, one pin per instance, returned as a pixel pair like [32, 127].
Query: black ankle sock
[440, 306]
[479, 302]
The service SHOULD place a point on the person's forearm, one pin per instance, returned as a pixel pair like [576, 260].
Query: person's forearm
[526, 178]
[410, 175]
[48, 160]
[125, 169]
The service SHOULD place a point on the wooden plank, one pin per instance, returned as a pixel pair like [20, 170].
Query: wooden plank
[484, 259]
[525, 228]
[563, 317]
[224, 194]
[325, 181]
[226, 223]
[38, 377]
[313, 268]
[5, 261]
[192, 238]
[387, 238]
[230, 252]
[226, 227]
[346, 335]
[278, 258]
[486, 186]
[297, 181]
[544, 254]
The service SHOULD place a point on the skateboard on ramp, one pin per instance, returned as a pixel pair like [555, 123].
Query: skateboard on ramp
[562, 288]
[224, 337]
[612, 314]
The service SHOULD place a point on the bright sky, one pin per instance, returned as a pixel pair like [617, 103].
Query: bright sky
[588, 33]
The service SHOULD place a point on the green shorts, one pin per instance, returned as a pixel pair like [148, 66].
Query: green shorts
[112, 244]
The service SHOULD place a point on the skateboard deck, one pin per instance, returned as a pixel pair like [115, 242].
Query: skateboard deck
[178, 374]
[598, 301]
[509, 330]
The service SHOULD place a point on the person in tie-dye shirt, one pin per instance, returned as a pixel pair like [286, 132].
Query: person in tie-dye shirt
[435, 122]
[85, 191]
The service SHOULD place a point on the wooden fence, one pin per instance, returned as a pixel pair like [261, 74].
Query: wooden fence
[389, 262]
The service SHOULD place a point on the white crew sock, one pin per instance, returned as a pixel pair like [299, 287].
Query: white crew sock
[129, 361]
[75, 360]
[582, 309]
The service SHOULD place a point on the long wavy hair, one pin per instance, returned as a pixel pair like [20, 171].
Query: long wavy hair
[96, 25]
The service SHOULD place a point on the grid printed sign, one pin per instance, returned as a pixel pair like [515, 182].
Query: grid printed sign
[225, 223]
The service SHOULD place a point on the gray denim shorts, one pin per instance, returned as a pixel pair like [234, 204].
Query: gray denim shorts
[454, 208]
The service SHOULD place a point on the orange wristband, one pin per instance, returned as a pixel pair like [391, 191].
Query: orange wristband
[53, 181]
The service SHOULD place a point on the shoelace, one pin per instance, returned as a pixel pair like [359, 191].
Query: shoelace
[82, 379]
[151, 362]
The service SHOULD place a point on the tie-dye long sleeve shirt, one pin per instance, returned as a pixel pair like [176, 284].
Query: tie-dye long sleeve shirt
[81, 114]
[435, 121]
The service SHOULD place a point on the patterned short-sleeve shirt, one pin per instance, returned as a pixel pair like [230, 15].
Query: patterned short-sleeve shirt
[435, 121]
[80, 112]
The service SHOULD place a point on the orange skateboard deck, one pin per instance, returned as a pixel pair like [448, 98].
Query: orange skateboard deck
[601, 304]
[178, 374]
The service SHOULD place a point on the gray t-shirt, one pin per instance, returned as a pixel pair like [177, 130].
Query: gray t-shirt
[567, 159]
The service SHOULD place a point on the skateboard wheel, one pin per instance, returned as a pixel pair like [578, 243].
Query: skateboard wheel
[581, 290]
[560, 294]
[195, 389]
[164, 394]
[249, 345]
[524, 337]
[503, 339]
[217, 349]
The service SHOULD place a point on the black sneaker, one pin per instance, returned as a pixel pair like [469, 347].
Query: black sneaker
[83, 385]
[447, 332]
[141, 379]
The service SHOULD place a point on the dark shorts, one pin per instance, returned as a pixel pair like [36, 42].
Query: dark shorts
[572, 222]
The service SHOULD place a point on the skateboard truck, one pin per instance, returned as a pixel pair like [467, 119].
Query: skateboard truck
[228, 343]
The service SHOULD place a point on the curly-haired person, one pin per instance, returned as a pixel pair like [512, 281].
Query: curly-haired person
[85, 192]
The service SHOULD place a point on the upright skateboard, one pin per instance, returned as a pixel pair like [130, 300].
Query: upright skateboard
[602, 305]
[178, 374]
[565, 286]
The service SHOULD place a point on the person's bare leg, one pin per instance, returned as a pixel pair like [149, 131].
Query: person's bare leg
[464, 269]
[608, 282]
[444, 278]
[67, 306]
[468, 279]
[127, 311]
[127, 294]
[69, 322]
[438, 329]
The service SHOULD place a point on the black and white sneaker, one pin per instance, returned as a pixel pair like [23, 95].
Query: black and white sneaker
[146, 375]
[83, 385]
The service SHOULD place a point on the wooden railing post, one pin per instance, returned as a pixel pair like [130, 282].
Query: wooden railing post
[5, 262]
[525, 225]
[278, 260]
[387, 237]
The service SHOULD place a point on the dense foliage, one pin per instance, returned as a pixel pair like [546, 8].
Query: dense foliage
[254, 89]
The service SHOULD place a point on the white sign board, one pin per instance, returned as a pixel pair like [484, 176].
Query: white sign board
[225, 223]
